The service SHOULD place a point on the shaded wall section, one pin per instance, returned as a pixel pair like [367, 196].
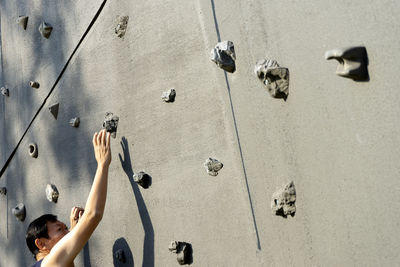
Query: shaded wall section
[337, 139]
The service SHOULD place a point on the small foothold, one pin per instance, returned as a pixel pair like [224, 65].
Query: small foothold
[54, 109]
[52, 193]
[23, 21]
[120, 255]
[283, 201]
[275, 78]
[3, 191]
[143, 179]
[224, 56]
[34, 84]
[120, 29]
[33, 150]
[45, 29]
[169, 96]
[183, 251]
[19, 212]
[353, 62]
[110, 123]
[213, 166]
[74, 122]
[4, 91]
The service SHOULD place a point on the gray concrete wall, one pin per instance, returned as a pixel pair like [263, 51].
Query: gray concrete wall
[337, 139]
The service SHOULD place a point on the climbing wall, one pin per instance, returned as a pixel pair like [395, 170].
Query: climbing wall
[336, 139]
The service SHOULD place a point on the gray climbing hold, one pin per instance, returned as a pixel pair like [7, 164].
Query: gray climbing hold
[23, 21]
[52, 193]
[120, 29]
[120, 255]
[19, 212]
[353, 62]
[74, 122]
[213, 166]
[3, 191]
[275, 78]
[4, 91]
[54, 109]
[34, 84]
[183, 251]
[110, 123]
[45, 29]
[33, 150]
[283, 201]
[143, 179]
[169, 96]
[223, 54]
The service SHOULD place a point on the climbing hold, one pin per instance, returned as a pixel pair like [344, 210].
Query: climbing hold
[275, 78]
[110, 123]
[52, 193]
[169, 96]
[23, 21]
[143, 179]
[353, 62]
[45, 29]
[283, 201]
[183, 251]
[54, 110]
[120, 255]
[224, 56]
[120, 29]
[34, 84]
[74, 122]
[213, 166]
[4, 91]
[33, 150]
[3, 191]
[19, 212]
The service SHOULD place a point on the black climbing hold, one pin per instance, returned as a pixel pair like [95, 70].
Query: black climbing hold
[143, 179]
[110, 123]
[169, 96]
[213, 166]
[52, 193]
[3, 191]
[23, 21]
[54, 110]
[74, 122]
[45, 29]
[224, 56]
[19, 212]
[33, 150]
[4, 91]
[120, 255]
[34, 84]
[183, 250]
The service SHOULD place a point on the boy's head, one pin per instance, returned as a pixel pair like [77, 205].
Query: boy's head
[44, 232]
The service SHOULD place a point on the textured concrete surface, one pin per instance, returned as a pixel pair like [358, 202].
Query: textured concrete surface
[337, 139]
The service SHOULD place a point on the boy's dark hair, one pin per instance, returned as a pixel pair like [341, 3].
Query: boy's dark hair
[38, 229]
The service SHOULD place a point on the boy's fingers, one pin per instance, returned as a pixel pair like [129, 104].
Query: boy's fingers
[103, 137]
[94, 139]
[108, 140]
[99, 138]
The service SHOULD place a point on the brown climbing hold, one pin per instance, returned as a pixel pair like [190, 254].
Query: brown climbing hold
[33, 150]
[283, 201]
[34, 84]
[54, 110]
[223, 54]
[353, 62]
[213, 166]
[52, 193]
[19, 212]
[45, 29]
[275, 78]
[23, 21]
[120, 29]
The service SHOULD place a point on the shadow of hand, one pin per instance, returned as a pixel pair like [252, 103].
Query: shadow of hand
[126, 162]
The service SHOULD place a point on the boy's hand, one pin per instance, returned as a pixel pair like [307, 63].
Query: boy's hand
[102, 150]
[76, 214]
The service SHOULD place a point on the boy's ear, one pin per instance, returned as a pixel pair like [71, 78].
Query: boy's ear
[40, 243]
